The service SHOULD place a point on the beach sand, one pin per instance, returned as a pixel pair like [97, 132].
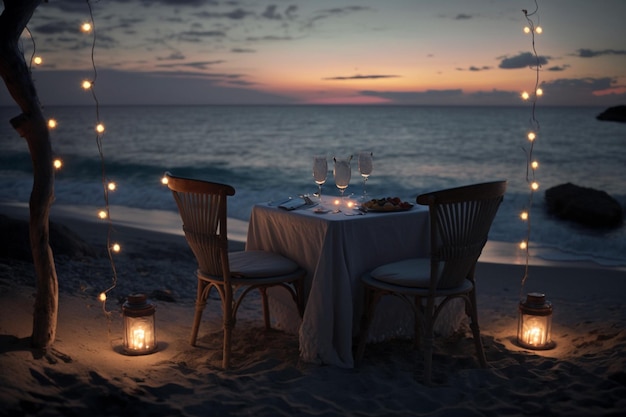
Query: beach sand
[85, 372]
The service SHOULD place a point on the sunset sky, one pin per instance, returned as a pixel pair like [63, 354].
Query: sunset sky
[426, 52]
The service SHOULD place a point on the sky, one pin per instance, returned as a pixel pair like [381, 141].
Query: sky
[399, 52]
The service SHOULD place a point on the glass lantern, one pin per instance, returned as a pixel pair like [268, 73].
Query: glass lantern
[139, 325]
[535, 322]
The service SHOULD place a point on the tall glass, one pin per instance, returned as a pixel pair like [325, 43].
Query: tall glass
[320, 172]
[342, 172]
[365, 168]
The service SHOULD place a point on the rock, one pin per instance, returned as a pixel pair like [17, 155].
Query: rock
[583, 205]
[613, 114]
[15, 242]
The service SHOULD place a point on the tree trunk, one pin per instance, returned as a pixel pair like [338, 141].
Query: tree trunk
[31, 125]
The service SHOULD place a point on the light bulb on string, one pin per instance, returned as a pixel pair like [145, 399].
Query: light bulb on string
[524, 215]
[86, 27]
[86, 84]
[112, 186]
[102, 214]
[534, 185]
[539, 92]
[100, 128]
[527, 29]
[116, 247]
[57, 163]
[525, 95]
[164, 180]
[534, 165]
[52, 123]
[523, 245]
[531, 136]
[102, 297]
[37, 60]
[539, 30]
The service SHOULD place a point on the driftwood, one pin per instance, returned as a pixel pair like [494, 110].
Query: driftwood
[31, 125]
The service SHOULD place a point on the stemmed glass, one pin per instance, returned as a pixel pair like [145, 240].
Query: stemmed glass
[342, 173]
[365, 168]
[320, 171]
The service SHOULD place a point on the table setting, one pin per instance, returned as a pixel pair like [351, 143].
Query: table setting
[337, 238]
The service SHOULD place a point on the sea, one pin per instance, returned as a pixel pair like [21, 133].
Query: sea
[266, 153]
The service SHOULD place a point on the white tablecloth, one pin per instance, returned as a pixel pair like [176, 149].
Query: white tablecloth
[336, 250]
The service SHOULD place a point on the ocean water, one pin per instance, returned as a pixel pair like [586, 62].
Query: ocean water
[266, 153]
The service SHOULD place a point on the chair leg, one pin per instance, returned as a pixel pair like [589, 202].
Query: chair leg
[229, 324]
[429, 336]
[480, 352]
[266, 309]
[199, 309]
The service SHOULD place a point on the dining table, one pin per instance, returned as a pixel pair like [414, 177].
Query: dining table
[336, 247]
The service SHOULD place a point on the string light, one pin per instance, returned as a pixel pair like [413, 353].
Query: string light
[164, 180]
[52, 123]
[100, 128]
[102, 214]
[37, 60]
[86, 84]
[531, 164]
[86, 27]
[57, 163]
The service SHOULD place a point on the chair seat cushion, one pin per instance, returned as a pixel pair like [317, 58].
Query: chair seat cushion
[413, 272]
[260, 264]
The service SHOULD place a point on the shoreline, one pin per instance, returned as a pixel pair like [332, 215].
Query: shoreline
[169, 224]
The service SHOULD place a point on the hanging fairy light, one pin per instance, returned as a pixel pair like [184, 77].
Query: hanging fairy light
[535, 313]
[57, 163]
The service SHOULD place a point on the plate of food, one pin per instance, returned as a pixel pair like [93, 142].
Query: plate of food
[387, 204]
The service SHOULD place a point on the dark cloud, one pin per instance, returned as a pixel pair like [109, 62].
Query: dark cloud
[172, 57]
[589, 53]
[199, 35]
[269, 38]
[237, 14]
[558, 68]
[475, 69]
[580, 84]
[523, 60]
[201, 65]
[361, 77]
[463, 16]
[271, 13]
[242, 50]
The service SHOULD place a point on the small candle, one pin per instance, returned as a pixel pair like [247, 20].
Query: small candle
[139, 338]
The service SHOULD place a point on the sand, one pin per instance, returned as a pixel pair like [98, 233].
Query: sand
[85, 373]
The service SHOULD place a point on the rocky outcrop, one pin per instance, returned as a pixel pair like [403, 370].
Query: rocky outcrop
[587, 206]
[613, 114]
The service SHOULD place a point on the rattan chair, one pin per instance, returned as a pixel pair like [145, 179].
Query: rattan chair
[203, 208]
[460, 219]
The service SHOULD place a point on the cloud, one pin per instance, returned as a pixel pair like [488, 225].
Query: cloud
[463, 16]
[589, 53]
[523, 60]
[236, 14]
[201, 65]
[361, 77]
[242, 50]
[557, 68]
[475, 69]
[176, 55]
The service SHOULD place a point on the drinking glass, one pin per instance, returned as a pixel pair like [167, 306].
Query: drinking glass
[365, 168]
[320, 171]
[342, 173]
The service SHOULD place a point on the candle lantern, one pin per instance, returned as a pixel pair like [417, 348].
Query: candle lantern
[139, 325]
[535, 322]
